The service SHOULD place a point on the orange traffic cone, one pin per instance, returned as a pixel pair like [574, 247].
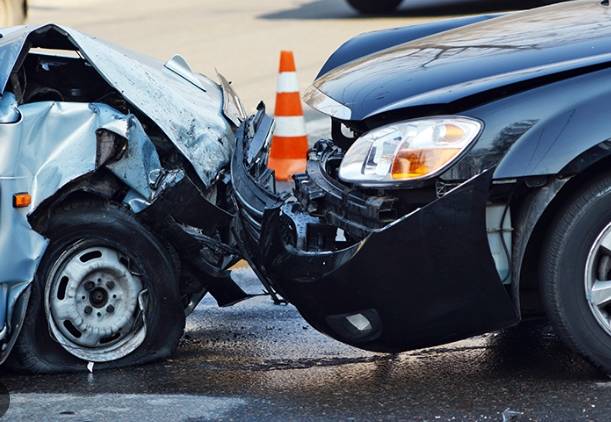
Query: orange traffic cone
[290, 142]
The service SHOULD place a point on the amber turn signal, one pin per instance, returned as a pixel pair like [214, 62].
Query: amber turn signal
[411, 164]
[22, 200]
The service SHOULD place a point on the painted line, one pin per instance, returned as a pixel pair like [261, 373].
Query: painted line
[125, 407]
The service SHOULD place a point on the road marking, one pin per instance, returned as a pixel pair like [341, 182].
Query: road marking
[128, 407]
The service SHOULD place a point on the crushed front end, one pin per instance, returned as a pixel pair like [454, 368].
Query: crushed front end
[383, 270]
[122, 138]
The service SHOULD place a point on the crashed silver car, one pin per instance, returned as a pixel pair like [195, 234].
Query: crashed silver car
[113, 182]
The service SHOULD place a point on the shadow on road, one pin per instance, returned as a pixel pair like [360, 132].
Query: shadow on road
[262, 355]
[339, 9]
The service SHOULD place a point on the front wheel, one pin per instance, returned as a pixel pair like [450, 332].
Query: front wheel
[576, 273]
[376, 7]
[105, 292]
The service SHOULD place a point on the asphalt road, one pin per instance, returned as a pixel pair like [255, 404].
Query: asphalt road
[257, 360]
[260, 361]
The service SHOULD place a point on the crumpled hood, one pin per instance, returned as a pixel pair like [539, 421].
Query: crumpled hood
[451, 65]
[188, 109]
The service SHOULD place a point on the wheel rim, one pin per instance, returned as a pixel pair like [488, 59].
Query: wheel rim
[95, 302]
[598, 279]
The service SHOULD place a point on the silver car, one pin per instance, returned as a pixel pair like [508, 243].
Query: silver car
[113, 183]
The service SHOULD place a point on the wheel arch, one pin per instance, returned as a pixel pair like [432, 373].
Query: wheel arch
[78, 209]
[102, 186]
[536, 211]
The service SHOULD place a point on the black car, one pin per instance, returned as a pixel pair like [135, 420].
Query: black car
[466, 187]
[375, 6]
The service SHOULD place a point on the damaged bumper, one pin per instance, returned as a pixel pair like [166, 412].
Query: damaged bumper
[426, 278]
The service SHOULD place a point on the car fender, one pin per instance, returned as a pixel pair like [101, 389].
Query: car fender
[569, 130]
[537, 132]
[370, 42]
[566, 144]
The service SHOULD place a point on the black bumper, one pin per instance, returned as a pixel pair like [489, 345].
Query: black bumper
[426, 279]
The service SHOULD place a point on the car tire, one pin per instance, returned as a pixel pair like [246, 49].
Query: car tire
[113, 234]
[573, 259]
[369, 7]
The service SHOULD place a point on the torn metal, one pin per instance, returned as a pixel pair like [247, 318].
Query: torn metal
[117, 125]
[187, 113]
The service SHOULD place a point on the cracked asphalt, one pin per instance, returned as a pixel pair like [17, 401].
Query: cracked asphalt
[258, 360]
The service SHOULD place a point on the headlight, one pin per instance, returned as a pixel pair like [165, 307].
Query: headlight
[409, 150]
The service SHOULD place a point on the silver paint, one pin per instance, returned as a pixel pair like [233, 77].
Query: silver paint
[46, 145]
[189, 114]
[30, 149]
[50, 145]
[139, 166]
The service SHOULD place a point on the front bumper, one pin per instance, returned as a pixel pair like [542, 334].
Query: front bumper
[425, 279]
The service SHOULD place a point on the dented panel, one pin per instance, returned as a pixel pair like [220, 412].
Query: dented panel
[30, 149]
[138, 165]
[190, 115]
[47, 145]
[426, 279]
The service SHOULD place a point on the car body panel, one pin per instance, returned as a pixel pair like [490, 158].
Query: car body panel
[371, 42]
[50, 145]
[189, 115]
[539, 132]
[447, 66]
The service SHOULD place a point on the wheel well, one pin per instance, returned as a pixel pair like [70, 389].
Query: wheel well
[101, 186]
[529, 295]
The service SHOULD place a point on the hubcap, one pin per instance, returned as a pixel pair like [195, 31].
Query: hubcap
[93, 303]
[598, 279]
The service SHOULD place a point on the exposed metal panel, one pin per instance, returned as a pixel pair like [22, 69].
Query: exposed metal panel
[190, 115]
[191, 118]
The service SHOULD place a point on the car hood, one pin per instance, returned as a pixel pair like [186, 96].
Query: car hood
[452, 65]
[187, 107]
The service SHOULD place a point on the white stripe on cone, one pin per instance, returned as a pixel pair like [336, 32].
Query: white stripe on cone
[287, 82]
[290, 126]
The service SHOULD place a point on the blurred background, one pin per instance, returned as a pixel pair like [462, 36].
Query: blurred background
[242, 38]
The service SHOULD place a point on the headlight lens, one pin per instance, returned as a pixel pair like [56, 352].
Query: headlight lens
[409, 150]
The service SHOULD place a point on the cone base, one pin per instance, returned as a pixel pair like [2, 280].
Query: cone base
[285, 168]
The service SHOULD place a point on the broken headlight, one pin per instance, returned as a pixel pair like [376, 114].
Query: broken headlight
[409, 150]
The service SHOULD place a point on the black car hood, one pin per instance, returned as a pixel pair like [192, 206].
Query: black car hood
[451, 65]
